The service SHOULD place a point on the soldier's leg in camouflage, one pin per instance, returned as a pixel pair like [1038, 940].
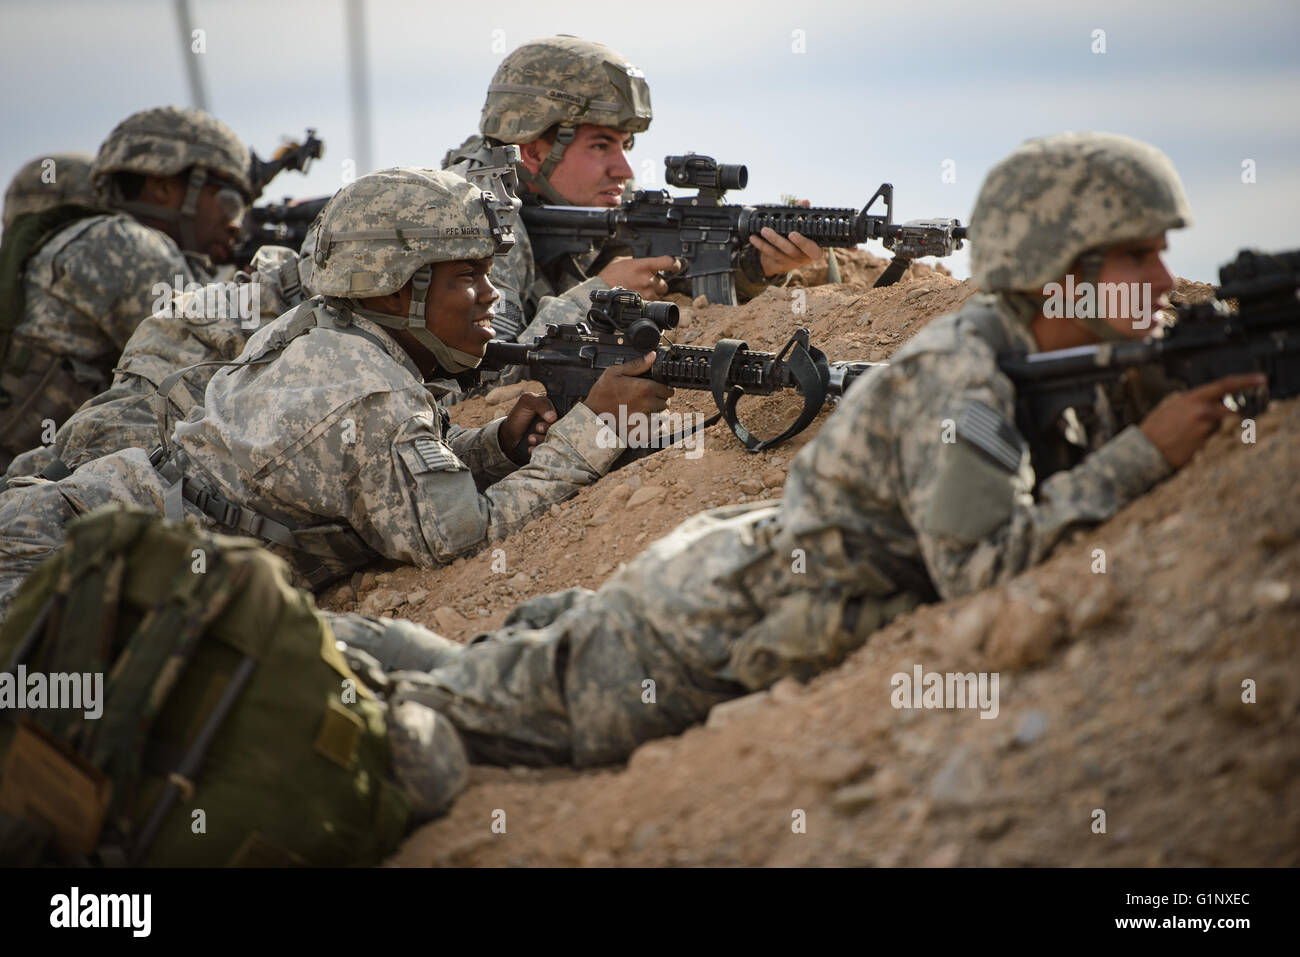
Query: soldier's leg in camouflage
[30, 462]
[33, 516]
[32, 521]
[646, 656]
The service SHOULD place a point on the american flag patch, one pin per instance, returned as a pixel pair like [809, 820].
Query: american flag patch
[992, 434]
[436, 456]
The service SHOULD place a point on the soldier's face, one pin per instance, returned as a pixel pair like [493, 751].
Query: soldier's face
[458, 309]
[594, 168]
[216, 221]
[1137, 262]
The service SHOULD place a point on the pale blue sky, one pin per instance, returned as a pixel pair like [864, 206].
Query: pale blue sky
[883, 91]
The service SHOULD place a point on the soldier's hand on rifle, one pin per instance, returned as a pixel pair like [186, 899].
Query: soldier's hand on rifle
[780, 254]
[641, 275]
[1180, 424]
[619, 386]
[532, 407]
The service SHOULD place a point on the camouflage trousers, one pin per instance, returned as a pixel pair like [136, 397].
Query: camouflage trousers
[707, 614]
[122, 417]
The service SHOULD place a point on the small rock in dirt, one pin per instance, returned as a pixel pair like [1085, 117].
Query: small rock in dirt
[645, 495]
[1097, 604]
[1031, 728]
[519, 579]
[381, 601]
[787, 690]
[483, 612]
[417, 595]
[965, 634]
[994, 826]
[853, 798]
[917, 293]
[1077, 657]
[1272, 594]
[750, 486]
[772, 478]
[1025, 632]
[447, 620]
[699, 302]
[727, 712]
[367, 581]
[961, 781]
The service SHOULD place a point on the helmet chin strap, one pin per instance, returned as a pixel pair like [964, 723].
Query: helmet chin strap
[541, 179]
[450, 360]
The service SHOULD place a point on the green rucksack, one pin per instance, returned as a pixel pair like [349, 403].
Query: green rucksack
[232, 731]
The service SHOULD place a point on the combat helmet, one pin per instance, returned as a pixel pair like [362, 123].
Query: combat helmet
[564, 81]
[387, 228]
[168, 141]
[1058, 198]
[57, 179]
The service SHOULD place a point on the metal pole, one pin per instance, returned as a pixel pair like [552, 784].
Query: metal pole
[359, 85]
[198, 95]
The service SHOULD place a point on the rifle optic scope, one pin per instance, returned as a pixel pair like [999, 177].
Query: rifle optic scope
[624, 311]
[704, 172]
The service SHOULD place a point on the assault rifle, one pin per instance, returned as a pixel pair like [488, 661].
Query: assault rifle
[707, 236]
[291, 156]
[621, 328]
[1208, 341]
[279, 224]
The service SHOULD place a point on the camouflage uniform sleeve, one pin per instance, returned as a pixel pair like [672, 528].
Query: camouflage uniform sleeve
[750, 280]
[454, 519]
[966, 479]
[480, 449]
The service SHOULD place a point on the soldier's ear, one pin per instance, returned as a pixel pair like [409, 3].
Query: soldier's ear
[534, 153]
[163, 191]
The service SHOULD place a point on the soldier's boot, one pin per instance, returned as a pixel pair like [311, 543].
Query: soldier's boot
[428, 758]
[396, 644]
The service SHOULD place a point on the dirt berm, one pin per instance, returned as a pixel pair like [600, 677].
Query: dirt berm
[1146, 714]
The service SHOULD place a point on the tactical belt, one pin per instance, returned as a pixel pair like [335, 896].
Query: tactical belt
[217, 507]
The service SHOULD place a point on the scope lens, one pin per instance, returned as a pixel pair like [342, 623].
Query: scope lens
[732, 175]
[662, 314]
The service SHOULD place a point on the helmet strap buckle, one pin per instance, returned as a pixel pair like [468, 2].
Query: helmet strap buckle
[419, 290]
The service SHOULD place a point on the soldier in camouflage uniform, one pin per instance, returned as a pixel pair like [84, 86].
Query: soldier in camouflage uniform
[573, 106]
[47, 182]
[178, 182]
[879, 512]
[324, 441]
[210, 324]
